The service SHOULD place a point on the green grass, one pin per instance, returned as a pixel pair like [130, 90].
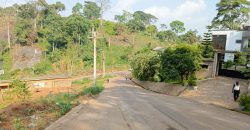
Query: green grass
[83, 81]
[94, 90]
[244, 102]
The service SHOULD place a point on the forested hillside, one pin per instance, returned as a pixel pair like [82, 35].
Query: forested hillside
[65, 42]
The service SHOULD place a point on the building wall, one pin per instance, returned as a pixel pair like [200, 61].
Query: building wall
[231, 45]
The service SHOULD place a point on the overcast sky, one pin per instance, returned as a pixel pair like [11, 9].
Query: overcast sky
[196, 14]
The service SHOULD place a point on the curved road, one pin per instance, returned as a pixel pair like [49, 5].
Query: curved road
[124, 106]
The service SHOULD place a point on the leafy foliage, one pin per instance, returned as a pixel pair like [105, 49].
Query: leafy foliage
[228, 64]
[207, 48]
[93, 90]
[231, 14]
[91, 10]
[172, 65]
[177, 26]
[190, 37]
[245, 102]
[20, 89]
[168, 35]
[145, 64]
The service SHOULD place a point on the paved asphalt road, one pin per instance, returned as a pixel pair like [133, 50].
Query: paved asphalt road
[124, 106]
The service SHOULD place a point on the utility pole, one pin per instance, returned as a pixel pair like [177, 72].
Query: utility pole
[94, 37]
[103, 64]
[9, 33]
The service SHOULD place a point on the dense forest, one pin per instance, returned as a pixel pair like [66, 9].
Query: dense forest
[65, 42]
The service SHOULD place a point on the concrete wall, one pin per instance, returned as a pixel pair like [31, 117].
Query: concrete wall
[57, 83]
[231, 45]
[206, 73]
[163, 88]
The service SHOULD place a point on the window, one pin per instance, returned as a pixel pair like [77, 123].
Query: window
[238, 41]
[204, 66]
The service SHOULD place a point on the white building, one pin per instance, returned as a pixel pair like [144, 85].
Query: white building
[231, 41]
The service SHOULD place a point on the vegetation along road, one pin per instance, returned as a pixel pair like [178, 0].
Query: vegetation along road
[125, 106]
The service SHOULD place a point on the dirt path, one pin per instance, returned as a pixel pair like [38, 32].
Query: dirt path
[124, 106]
[217, 91]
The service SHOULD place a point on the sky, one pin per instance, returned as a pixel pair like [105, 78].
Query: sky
[196, 14]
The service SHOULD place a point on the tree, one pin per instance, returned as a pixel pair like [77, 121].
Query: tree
[207, 48]
[135, 25]
[124, 17]
[120, 28]
[91, 10]
[109, 27]
[151, 29]
[231, 12]
[181, 63]
[190, 37]
[168, 35]
[145, 64]
[163, 27]
[59, 6]
[104, 6]
[77, 27]
[26, 27]
[145, 18]
[177, 26]
[77, 8]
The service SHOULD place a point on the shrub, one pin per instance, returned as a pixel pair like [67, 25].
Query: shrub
[17, 124]
[20, 89]
[93, 90]
[42, 67]
[244, 102]
[64, 107]
[180, 63]
[246, 72]
[192, 82]
[207, 51]
[145, 65]
[64, 102]
[228, 64]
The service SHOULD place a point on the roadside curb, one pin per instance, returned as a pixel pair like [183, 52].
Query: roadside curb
[159, 92]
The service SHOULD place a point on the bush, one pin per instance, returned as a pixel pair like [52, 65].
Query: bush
[207, 51]
[181, 63]
[246, 72]
[145, 65]
[192, 82]
[93, 90]
[244, 102]
[228, 64]
[64, 102]
[64, 107]
[43, 67]
[20, 89]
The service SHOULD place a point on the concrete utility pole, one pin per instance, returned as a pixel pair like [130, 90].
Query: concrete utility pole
[103, 64]
[9, 33]
[94, 37]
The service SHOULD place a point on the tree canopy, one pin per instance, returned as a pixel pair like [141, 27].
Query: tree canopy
[177, 26]
[91, 10]
[231, 14]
